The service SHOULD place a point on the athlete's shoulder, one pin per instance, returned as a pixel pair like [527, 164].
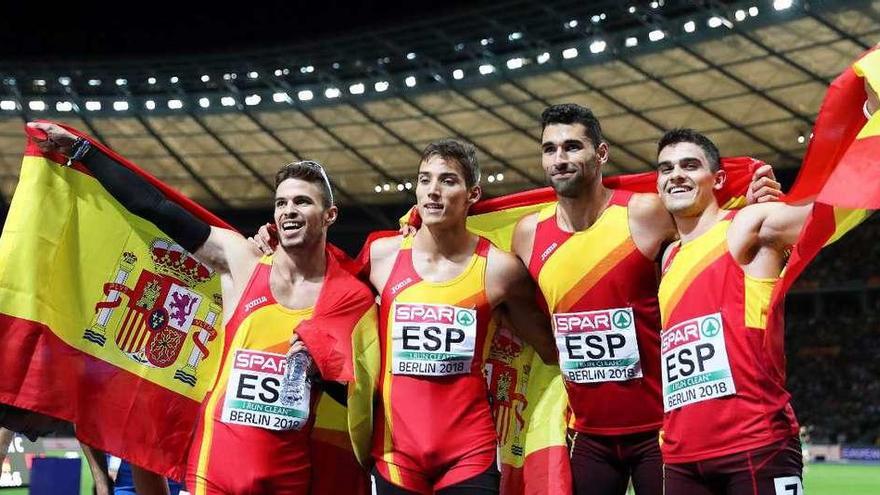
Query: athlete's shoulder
[647, 205]
[501, 263]
[385, 247]
[524, 235]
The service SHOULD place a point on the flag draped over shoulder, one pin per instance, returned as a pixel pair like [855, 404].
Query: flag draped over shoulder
[528, 396]
[110, 325]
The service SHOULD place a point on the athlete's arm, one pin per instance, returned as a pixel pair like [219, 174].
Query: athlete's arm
[509, 283]
[213, 246]
[650, 224]
[524, 238]
[383, 252]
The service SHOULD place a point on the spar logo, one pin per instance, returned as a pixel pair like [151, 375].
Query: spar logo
[425, 313]
[710, 327]
[592, 321]
[152, 321]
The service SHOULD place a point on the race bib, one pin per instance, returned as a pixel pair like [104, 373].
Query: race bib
[254, 393]
[694, 362]
[432, 339]
[597, 346]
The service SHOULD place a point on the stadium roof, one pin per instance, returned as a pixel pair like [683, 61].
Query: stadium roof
[749, 74]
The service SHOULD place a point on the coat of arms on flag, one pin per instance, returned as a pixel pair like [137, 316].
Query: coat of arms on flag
[150, 308]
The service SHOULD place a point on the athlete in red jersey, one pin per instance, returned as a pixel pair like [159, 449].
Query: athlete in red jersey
[593, 256]
[249, 456]
[729, 427]
[434, 430]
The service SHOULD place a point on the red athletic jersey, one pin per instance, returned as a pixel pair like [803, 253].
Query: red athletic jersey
[228, 455]
[722, 361]
[434, 409]
[601, 292]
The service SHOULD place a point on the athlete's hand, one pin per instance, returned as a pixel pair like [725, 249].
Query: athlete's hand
[296, 345]
[57, 139]
[764, 187]
[266, 239]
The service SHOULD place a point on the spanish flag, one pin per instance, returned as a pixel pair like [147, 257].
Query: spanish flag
[528, 396]
[841, 170]
[110, 325]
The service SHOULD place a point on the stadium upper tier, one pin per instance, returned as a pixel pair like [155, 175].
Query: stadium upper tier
[749, 74]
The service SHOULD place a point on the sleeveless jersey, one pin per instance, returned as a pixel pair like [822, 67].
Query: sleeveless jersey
[722, 361]
[435, 337]
[244, 436]
[601, 292]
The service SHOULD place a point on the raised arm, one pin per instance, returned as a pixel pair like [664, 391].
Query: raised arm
[509, 284]
[218, 248]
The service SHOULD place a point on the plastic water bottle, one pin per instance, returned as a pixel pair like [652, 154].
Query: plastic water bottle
[297, 385]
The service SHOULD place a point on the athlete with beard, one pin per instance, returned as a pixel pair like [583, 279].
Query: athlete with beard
[593, 254]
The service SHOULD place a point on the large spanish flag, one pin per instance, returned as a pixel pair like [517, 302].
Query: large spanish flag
[108, 324]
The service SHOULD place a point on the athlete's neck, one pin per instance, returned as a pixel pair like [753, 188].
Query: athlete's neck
[692, 226]
[575, 214]
[307, 263]
[446, 241]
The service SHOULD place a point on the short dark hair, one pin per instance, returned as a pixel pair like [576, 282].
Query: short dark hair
[461, 151]
[676, 136]
[309, 171]
[571, 113]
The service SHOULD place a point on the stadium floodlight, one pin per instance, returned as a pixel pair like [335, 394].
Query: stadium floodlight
[753, 11]
[94, 82]
[7, 105]
[781, 4]
[305, 95]
[332, 92]
[150, 105]
[656, 35]
[571, 24]
[175, 104]
[408, 185]
[400, 187]
[151, 80]
[37, 105]
[280, 97]
[227, 101]
[598, 46]
[252, 100]
[631, 9]
[491, 178]
[380, 86]
[544, 57]
[120, 106]
[174, 79]
[499, 177]
[307, 69]
[285, 71]
[121, 81]
[458, 74]
[801, 139]
[410, 81]
[515, 63]
[740, 15]
[487, 69]
[336, 65]
[386, 187]
[714, 22]
[39, 82]
[690, 26]
[487, 41]
[64, 81]
[205, 78]
[63, 106]
[253, 74]
[411, 56]
[515, 36]
[93, 106]
[631, 42]
[278, 72]
[655, 5]
[378, 188]
[570, 53]
[595, 18]
[204, 102]
[356, 89]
